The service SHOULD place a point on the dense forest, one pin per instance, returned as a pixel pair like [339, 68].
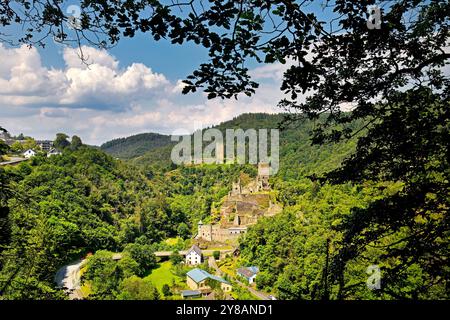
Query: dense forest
[60, 208]
[57, 209]
[134, 146]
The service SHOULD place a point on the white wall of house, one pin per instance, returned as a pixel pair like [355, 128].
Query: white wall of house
[193, 258]
[29, 153]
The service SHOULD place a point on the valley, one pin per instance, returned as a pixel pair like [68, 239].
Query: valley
[147, 229]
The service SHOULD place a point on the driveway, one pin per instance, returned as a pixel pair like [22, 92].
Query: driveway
[256, 293]
[13, 161]
[68, 277]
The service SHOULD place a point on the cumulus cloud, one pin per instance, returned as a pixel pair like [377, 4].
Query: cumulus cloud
[72, 58]
[100, 100]
[23, 77]
[272, 71]
[97, 83]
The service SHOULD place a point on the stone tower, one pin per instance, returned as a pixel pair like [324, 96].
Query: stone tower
[263, 176]
[236, 190]
[204, 231]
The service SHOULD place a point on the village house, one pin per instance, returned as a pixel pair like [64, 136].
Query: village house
[6, 137]
[185, 294]
[249, 273]
[29, 153]
[194, 256]
[53, 152]
[45, 145]
[197, 279]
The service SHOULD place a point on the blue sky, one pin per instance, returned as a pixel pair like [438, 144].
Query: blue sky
[174, 61]
[132, 88]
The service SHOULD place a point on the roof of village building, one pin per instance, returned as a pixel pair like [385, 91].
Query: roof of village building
[198, 275]
[196, 249]
[248, 272]
[190, 293]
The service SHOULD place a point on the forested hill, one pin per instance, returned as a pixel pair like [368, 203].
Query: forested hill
[134, 146]
[298, 157]
[56, 209]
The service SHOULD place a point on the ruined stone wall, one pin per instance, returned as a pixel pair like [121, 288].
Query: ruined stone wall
[215, 233]
[242, 207]
[205, 232]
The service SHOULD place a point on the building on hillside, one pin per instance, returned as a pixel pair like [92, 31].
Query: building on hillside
[45, 145]
[263, 176]
[197, 279]
[241, 208]
[194, 256]
[249, 273]
[236, 188]
[260, 184]
[186, 294]
[117, 256]
[214, 232]
[53, 152]
[29, 153]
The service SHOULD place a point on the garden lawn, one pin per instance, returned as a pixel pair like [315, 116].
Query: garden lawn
[163, 275]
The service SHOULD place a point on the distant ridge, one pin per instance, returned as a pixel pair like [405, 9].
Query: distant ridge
[136, 145]
[298, 157]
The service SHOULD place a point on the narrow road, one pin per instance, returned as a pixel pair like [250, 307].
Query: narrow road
[68, 277]
[255, 292]
[13, 161]
[212, 264]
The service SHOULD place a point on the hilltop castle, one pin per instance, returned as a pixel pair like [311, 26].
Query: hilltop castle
[243, 206]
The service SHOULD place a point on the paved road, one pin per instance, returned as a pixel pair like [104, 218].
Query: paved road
[13, 161]
[212, 264]
[258, 294]
[68, 277]
[255, 292]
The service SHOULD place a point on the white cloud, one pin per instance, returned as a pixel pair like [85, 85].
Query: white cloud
[97, 84]
[23, 77]
[272, 71]
[72, 58]
[101, 100]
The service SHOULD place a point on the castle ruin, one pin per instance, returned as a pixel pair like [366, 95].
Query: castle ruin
[242, 208]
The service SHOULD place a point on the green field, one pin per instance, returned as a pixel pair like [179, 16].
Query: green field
[172, 241]
[163, 275]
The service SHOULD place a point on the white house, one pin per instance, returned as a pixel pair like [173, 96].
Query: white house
[249, 273]
[194, 256]
[53, 152]
[29, 153]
